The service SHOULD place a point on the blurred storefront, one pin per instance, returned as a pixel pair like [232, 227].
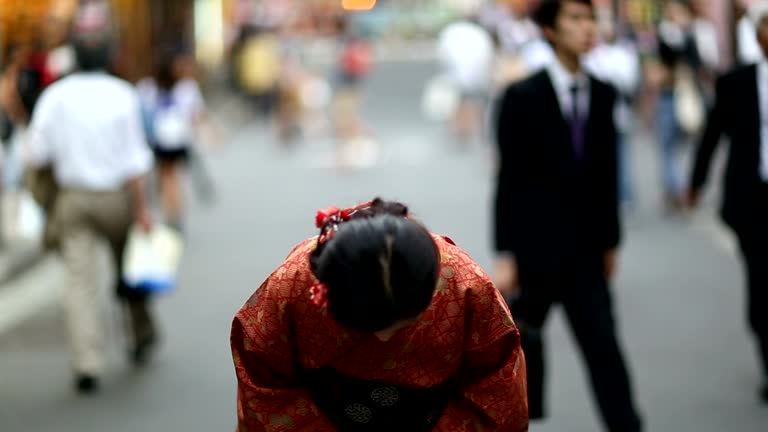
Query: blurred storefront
[22, 21]
[139, 26]
[209, 27]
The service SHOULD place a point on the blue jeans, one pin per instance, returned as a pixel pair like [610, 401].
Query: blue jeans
[668, 135]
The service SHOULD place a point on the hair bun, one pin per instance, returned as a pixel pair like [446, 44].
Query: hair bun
[389, 207]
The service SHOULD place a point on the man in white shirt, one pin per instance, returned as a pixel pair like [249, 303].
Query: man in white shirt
[740, 113]
[88, 129]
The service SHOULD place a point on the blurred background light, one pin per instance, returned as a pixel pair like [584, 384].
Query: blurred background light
[209, 32]
[358, 4]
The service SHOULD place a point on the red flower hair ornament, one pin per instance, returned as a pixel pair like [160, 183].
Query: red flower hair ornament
[319, 295]
[328, 221]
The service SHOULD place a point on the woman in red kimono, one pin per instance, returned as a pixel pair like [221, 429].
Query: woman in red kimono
[378, 325]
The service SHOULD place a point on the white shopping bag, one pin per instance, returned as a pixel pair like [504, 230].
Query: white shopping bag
[151, 259]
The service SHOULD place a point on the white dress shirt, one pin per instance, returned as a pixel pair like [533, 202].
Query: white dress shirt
[762, 90]
[88, 126]
[563, 81]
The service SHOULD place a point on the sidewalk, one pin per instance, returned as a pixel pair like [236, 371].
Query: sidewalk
[15, 258]
[28, 286]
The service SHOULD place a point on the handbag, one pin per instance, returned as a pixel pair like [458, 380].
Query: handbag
[689, 102]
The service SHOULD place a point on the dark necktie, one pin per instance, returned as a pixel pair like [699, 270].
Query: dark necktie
[577, 123]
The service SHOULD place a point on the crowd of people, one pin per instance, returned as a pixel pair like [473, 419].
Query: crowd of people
[86, 144]
[501, 44]
[303, 101]
[559, 129]
[377, 324]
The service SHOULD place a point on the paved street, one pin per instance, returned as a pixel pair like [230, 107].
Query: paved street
[679, 296]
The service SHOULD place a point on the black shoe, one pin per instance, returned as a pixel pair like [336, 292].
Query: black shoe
[143, 351]
[86, 384]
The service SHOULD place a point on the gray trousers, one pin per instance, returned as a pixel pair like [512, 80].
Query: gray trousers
[84, 219]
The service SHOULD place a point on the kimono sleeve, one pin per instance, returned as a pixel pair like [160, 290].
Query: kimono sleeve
[493, 392]
[269, 397]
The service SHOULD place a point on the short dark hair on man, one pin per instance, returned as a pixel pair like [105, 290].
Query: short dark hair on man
[548, 11]
[93, 56]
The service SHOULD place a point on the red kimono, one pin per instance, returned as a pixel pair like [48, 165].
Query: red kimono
[466, 336]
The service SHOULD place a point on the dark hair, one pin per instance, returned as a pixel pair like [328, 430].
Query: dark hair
[380, 267]
[165, 73]
[548, 11]
[93, 56]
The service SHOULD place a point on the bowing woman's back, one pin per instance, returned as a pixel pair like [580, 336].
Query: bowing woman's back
[378, 325]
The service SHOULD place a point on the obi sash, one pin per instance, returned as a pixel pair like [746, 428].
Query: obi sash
[355, 405]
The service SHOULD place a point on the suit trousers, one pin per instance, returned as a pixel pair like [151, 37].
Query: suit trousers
[85, 220]
[753, 240]
[583, 291]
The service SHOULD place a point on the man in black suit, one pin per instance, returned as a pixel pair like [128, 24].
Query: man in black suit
[557, 214]
[740, 113]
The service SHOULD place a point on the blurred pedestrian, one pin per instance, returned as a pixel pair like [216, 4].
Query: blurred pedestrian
[513, 32]
[20, 86]
[174, 110]
[616, 61]
[87, 128]
[557, 221]
[748, 50]
[60, 56]
[289, 110]
[707, 45]
[521, 30]
[355, 63]
[259, 68]
[680, 106]
[466, 52]
[378, 325]
[740, 113]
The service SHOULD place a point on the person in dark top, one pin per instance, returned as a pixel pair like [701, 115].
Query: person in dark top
[557, 227]
[740, 113]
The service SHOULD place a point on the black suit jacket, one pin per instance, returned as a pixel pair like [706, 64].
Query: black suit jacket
[551, 208]
[735, 114]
